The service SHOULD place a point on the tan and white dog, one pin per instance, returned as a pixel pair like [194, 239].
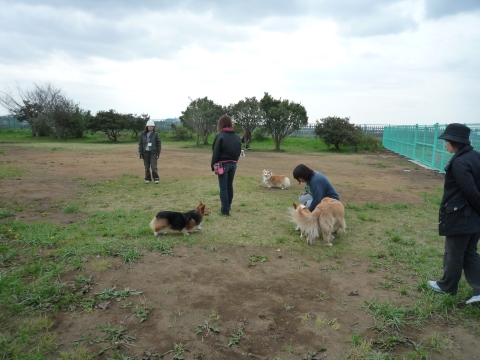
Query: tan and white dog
[242, 153]
[327, 218]
[280, 181]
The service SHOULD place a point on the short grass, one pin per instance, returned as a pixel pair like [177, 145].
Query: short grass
[398, 240]
[97, 141]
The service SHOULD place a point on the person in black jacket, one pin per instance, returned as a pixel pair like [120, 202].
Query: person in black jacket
[149, 148]
[226, 150]
[459, 215]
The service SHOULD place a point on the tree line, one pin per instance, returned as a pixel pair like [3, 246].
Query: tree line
[50, 112]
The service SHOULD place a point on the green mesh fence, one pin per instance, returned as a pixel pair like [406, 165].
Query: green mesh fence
[421, 143]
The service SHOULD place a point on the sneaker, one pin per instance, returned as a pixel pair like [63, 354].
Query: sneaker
[433, 285]
[474, 301]
[147, 181]
[156, 181]
[221, 213]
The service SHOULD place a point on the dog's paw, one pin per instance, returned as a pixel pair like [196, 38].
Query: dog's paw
[297, 228]
[199, 228]
[328, 244]
[155, 233]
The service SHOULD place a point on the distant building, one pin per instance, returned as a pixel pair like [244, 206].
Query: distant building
[172, 120]
[163, 125]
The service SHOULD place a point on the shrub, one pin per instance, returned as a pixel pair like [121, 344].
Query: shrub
[260, 134]
[370, 142]
[180, 132]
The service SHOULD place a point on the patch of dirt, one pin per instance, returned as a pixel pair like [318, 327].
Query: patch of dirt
[285, 306]
[381, 177]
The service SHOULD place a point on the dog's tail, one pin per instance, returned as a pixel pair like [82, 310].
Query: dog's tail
[287, 182]
[152, 223]
[306, 221]
[291, 213]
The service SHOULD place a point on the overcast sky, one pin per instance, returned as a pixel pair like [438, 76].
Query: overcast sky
[375, 61]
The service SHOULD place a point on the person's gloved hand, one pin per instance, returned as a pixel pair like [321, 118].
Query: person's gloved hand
[140, 156]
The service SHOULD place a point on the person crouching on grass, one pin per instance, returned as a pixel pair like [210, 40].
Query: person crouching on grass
[459, 215]
[317, 186]
[149, 148]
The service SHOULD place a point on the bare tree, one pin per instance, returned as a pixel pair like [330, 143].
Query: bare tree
[46, 108]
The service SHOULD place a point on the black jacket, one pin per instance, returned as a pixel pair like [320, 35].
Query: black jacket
[226, 146]
[460, 207]
[156, 147]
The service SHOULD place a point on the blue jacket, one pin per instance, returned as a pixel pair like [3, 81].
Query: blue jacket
[460, 207]
[319, 187]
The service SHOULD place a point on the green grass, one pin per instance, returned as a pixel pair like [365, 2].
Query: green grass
[398, 241]
[10, 173]
[93, 142]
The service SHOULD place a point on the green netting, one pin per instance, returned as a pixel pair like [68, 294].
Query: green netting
[421, 143]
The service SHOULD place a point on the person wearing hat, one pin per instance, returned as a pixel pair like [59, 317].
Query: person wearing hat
[459, 215]
[149, 148]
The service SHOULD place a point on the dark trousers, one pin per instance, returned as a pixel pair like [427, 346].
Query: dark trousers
[150, 161]
[225, 181]
[461, 254]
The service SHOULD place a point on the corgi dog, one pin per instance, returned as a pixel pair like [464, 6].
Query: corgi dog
[179, 221]
[280, 181]
[327, 218]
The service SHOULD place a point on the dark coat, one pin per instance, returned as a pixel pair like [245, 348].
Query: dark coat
[156, 147]
[226, 146]
[460, 207]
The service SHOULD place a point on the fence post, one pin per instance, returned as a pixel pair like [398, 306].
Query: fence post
[435, 141]
[415, 137]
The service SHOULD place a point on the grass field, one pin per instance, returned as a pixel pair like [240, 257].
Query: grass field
[398, 240]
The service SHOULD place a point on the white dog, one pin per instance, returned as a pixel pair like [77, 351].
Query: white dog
[242, 153]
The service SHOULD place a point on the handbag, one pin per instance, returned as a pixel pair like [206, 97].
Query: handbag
[218, 168]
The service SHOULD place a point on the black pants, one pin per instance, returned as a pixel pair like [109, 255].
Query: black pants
[150, 160]
[461, 254]
[225, 183]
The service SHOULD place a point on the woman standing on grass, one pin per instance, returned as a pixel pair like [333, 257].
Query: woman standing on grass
[226, 150]
[459, 216]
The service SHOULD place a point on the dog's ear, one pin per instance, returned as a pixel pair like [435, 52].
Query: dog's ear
[305, 203]
[295, 206]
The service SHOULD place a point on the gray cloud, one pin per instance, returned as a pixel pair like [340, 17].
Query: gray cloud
[123, 30]
[435, 9]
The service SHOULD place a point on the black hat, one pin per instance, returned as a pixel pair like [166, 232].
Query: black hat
[458, 133]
